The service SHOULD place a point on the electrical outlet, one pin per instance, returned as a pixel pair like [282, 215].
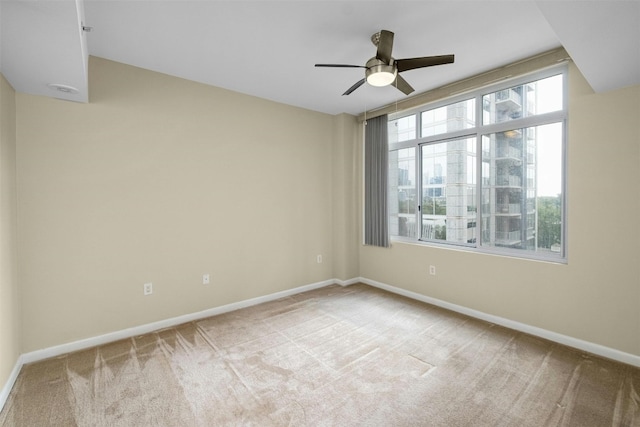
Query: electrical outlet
[319, 259]
[432, 270]
[206, 279]
[148, 288]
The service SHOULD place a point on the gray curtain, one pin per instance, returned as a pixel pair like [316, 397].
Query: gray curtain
[376, 166]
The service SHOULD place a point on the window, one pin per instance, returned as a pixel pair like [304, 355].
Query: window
[448, 185]
[495, 184]
[402, 177]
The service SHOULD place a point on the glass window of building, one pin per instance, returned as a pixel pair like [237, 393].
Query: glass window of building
[495, 185]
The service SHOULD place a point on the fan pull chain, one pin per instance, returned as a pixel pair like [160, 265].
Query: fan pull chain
[397, 96]
[365, 113]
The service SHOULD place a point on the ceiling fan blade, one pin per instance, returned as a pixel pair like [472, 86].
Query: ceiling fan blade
[354, 87]
[426, 61]
[340, 66]
[385, 46]
[402, 85]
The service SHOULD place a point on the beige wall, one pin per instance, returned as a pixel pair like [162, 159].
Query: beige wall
[160, 180]
[345, 201]
[9, 300]
[596, 296]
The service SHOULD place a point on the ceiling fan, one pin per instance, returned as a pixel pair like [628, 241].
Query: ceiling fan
[383, 69]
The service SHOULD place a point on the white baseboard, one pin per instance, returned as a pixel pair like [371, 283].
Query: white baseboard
[4, 393]
[597, 349]
[348, 282]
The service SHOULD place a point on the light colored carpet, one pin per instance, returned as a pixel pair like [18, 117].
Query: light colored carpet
[352, 356]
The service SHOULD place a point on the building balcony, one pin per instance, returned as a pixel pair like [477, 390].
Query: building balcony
[508, 153]
[508, 100]
[510, 208]
[508, 180]
[508, 237]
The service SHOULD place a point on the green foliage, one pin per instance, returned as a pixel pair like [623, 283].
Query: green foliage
[549, 221]
[432, 207]
[407, 206]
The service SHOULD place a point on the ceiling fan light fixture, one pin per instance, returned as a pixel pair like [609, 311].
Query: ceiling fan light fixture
[380, 74]
[381, 78]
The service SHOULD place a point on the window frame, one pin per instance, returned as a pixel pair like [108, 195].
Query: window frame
[478, 132]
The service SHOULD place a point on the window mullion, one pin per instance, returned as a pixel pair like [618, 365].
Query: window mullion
[479, 160]
[525, 122]
[418, 150]
[418, 212]
[449, 135]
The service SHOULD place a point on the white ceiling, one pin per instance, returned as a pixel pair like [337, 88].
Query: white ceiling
[268, 48]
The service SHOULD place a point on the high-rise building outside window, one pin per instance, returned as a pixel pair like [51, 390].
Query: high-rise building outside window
[496, 184]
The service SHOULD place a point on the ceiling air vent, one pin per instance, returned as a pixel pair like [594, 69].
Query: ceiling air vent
[64, 88]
